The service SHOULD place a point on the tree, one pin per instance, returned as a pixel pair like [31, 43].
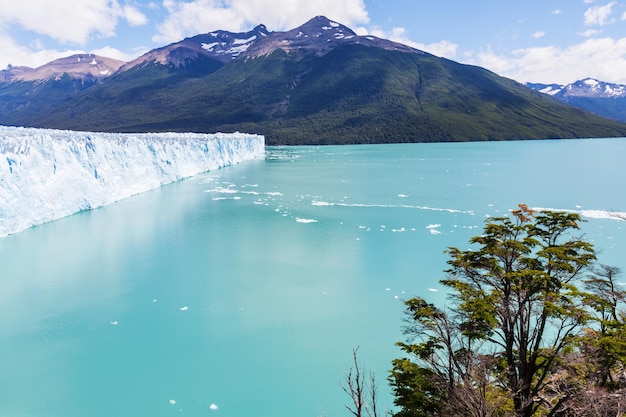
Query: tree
[450, 377]
[606, 344]
[362, 389]
[517, 310]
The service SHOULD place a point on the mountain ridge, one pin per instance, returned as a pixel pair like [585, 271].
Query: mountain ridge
[221, 45]
[590, 94]
[319, 83]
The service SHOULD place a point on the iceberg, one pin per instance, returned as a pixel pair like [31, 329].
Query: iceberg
[48, 174]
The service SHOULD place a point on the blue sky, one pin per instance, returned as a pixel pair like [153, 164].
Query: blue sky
[551, 41]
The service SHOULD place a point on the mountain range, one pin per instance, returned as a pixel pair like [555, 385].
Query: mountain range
[602, 98]
[320, 83]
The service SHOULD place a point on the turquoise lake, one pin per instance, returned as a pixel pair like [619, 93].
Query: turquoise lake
[243, 291]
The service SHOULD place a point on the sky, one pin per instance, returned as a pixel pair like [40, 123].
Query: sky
[543, 41]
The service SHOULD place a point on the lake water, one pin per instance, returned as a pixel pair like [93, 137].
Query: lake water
[243, 292]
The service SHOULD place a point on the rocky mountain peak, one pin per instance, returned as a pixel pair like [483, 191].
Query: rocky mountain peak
[587, 87]
[320, 35]
[221, 45]
[88, 67]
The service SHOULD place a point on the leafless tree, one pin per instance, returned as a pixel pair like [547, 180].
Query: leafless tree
[361, 388]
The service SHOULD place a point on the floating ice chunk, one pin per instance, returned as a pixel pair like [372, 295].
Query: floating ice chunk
[301, 220]
[433, 289]
[213, 407]
[433, 229]
[184, 308]
[402, 195]
[320, 203]
[114, 322]
[172, 402]
[602, 214]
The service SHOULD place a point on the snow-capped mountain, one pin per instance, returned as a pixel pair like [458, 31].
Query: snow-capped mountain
[86, 67]
[321, 35]
[603, 98]
[588, 87]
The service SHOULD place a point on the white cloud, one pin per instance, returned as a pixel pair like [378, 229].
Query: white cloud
[134, 17]
[115, 53]
[201, 16]
[590, 32]
[33, 57]
[538, 34]
[599, 15]
[557, 11]
[560, 65]
[19, 55]
[442, 48]
[68, 21]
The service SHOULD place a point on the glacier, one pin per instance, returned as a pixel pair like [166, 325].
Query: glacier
[48, 174]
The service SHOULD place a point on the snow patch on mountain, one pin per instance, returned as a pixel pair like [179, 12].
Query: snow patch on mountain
[319, 35]
[49, 174]
[550, 90]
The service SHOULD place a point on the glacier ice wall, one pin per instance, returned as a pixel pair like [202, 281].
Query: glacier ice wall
[49, 174]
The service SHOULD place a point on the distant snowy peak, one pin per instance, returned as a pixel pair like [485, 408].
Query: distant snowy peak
[588, 87]
[320, 35]
[87, 67]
